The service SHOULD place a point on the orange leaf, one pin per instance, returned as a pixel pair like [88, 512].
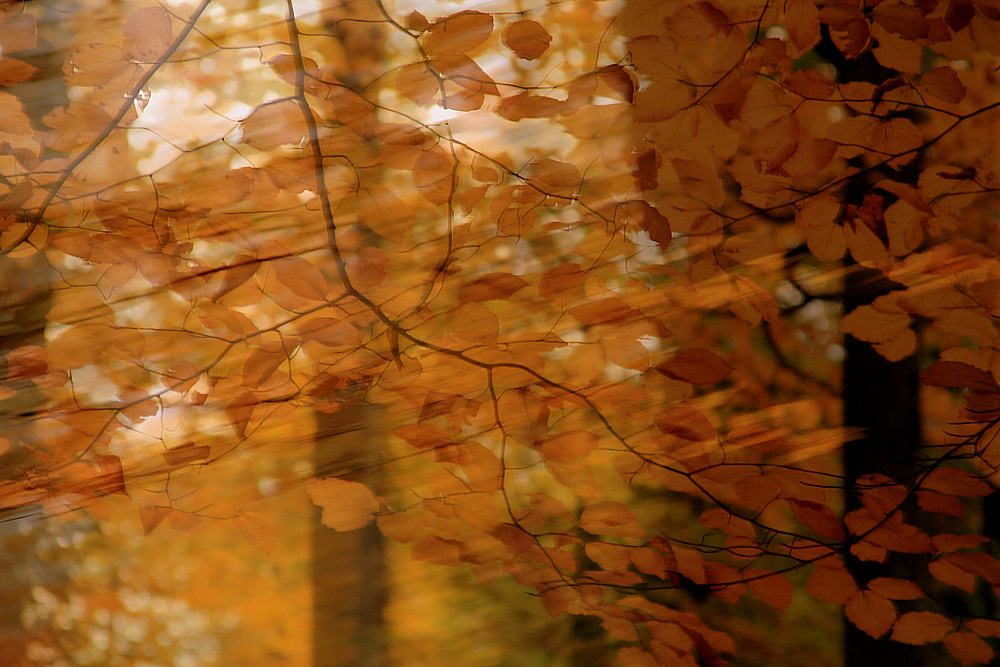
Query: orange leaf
[301, 277]
[956, 482]
[433, 549]
[870, 613]
[346, 505]
[835, 585]
[610, 518]
[432, 174]
[457, 33]
[984, 627]
[569, 446]
[528, 39]
[562, 284]
[151, 516]
[686, 423]
[610, 310]
[15, 71]
[481, 466]
[473, 322]
[690, 564]
[526, 105]
[895, 589]
[774, 590]
[921, 627]
[239, 411]
[257, 532]
[274, 124]
[424, 436]
[186, 453]
[968, 648]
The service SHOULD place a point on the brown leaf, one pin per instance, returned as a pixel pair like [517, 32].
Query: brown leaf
[696, 366]
[942, 83]
[186, 453]
[649, 220]
[957, 374]
[528, 39]
[490, 287]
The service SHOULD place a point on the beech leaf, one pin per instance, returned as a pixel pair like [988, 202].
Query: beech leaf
[870, 613]
[921, 627]
[696, 366]
[528, 39]
[457, 33]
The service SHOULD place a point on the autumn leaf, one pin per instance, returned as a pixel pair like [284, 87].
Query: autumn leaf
[346, 505]
[942, 83]
[274, 124]
[870, 613]
[968, 648]
[610, 518]
[649, 220]
[527, 38]
[458, 33]
[696, 366]
[959, 374]
[921, 627]
[490, 286]
[834, 585]
[147, 34]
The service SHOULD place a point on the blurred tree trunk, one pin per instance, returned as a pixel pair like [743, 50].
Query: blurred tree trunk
[349, 570]
[25, 300]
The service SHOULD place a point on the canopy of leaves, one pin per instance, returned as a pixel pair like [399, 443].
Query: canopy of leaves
[580, 255]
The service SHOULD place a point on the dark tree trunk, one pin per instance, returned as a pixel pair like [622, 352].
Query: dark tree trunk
[881, 397]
